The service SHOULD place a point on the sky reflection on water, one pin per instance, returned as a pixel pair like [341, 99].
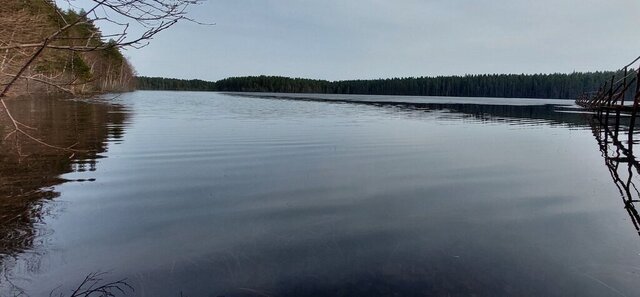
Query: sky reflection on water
[217, 195]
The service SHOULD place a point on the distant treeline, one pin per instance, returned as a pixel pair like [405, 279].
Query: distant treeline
[174, 84]
[561, 86]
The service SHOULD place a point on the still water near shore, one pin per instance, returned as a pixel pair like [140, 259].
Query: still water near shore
[210, 194]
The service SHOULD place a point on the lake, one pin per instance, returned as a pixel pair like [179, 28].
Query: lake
[211, 194]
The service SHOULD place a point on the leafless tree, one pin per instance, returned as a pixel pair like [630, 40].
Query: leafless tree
[136, 22]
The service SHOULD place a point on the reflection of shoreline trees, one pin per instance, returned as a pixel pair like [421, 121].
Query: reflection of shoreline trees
[549, 113]
[511, 113]
[29, 171]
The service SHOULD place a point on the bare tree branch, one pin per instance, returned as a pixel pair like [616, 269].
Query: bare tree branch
[150, 17]
[55, 85]
[18, 130]
[45, 42]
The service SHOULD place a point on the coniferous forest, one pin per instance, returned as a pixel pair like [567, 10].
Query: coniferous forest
[558, 86]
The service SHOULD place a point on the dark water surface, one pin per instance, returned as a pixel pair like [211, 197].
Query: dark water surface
[209, 194]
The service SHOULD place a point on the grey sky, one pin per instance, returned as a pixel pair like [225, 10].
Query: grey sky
[348, 39]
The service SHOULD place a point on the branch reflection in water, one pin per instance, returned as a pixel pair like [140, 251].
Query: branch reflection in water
[30, 171]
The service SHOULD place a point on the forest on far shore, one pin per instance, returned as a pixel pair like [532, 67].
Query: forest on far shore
[556, 86]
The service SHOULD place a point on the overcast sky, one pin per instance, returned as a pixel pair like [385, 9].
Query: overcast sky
[350, 39]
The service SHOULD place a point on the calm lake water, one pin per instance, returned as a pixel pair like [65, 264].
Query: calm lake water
[208, 194]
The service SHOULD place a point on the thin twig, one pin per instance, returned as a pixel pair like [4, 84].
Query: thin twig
[17, 129]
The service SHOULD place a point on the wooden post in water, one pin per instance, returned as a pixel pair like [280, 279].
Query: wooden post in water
[600, 99]
[624, 93]
[608, 100]
[634, 111]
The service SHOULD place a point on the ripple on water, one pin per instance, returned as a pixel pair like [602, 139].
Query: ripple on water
[314, 195]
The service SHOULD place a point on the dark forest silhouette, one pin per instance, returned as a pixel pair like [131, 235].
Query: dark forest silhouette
[557, 86]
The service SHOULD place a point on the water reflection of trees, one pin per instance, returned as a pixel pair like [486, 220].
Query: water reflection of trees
[515, 114]
[554, 114]
[29, 171]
